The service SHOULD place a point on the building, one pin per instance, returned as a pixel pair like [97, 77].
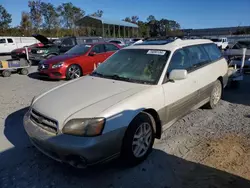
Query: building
[109, 28]
[215, 31]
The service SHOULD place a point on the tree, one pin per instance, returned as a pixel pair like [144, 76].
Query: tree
[50, 16]
[134, 19]
[98, 13]
[70, 15]
[35, 14]
[25, 24]
[127, 19]
[151, 18]
[5, 18]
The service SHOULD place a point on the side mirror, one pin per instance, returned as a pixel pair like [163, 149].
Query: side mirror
[178, 74]
[92, 53]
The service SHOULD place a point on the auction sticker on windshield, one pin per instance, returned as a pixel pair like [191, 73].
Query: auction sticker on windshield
[156, 52]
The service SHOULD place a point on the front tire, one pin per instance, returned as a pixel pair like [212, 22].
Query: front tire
[74, 71]
[215, 95]
[138, 140]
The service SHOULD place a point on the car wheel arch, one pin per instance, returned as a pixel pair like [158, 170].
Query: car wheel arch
[155, 118]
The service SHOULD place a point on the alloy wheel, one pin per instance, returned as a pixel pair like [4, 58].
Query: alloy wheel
[74, 72]
[142, 140]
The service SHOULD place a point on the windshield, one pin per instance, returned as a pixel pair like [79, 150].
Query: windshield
[79, 49]
[134, 65]
[215, 40]
[242, 44]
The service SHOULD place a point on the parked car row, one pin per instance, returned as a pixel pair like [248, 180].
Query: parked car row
[125, 103]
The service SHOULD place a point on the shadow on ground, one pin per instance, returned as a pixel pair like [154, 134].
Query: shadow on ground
[14, 130]
[32, 169]
[35, 75]
[241, 94]
[24, 166]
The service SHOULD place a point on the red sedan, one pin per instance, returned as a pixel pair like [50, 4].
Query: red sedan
[78, 61]
[21, 53]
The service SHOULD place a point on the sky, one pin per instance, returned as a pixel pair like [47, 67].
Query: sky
[189, 13]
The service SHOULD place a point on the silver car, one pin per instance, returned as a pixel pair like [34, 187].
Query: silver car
[127, 102]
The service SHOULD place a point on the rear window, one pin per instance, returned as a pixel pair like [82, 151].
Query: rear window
[213, 51]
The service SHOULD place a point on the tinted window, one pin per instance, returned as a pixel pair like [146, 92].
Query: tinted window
[79, 49]
[180, 60]
[197, 56]
[10, 40]
[2, 41]
[110, 47]
[213, 51]
[68, 42]
[115, 41]
[242, 44]
[98, 49]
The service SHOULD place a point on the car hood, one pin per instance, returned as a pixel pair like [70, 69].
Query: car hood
[44, 40]
[59, 58]
[93, 93]
[18, 50]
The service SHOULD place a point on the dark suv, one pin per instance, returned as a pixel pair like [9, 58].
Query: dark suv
[59, 46]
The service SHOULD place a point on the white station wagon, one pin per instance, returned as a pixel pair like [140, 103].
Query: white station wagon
[127, 102]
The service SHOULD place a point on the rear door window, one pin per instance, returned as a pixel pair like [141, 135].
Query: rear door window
[111, 47]
[10, 40]
[99, 48]
[213, 51]
[197, 55]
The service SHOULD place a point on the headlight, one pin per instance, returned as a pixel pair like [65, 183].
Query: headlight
[58, 65]
[41, 51]
[84, 127]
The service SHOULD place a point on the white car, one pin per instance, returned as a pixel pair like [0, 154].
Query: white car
[127, 102]
[119, 42]
[222, 43]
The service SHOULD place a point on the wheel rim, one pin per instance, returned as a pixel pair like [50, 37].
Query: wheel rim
[217, 93]
[74, 72]
[142, 140]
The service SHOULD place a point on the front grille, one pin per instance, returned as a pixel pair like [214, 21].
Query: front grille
[44, 122]
[33, 51]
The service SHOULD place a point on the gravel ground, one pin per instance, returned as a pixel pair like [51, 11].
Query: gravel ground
[207, 148]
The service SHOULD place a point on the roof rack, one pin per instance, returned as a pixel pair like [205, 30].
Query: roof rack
[160, 38]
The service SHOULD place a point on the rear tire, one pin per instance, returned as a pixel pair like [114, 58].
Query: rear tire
[215, 95]
[24, 71]
[138, 140]
[73, 71]
[6, 73]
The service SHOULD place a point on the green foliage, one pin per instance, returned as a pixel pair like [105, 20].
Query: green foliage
[50, 16]
[35, 14]
[60, 21]
[25, 24]
[98, 13]
[5, 18]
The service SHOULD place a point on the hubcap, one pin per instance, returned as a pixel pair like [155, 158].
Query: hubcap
[142, 140]
[74, 72]
[217, 93]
